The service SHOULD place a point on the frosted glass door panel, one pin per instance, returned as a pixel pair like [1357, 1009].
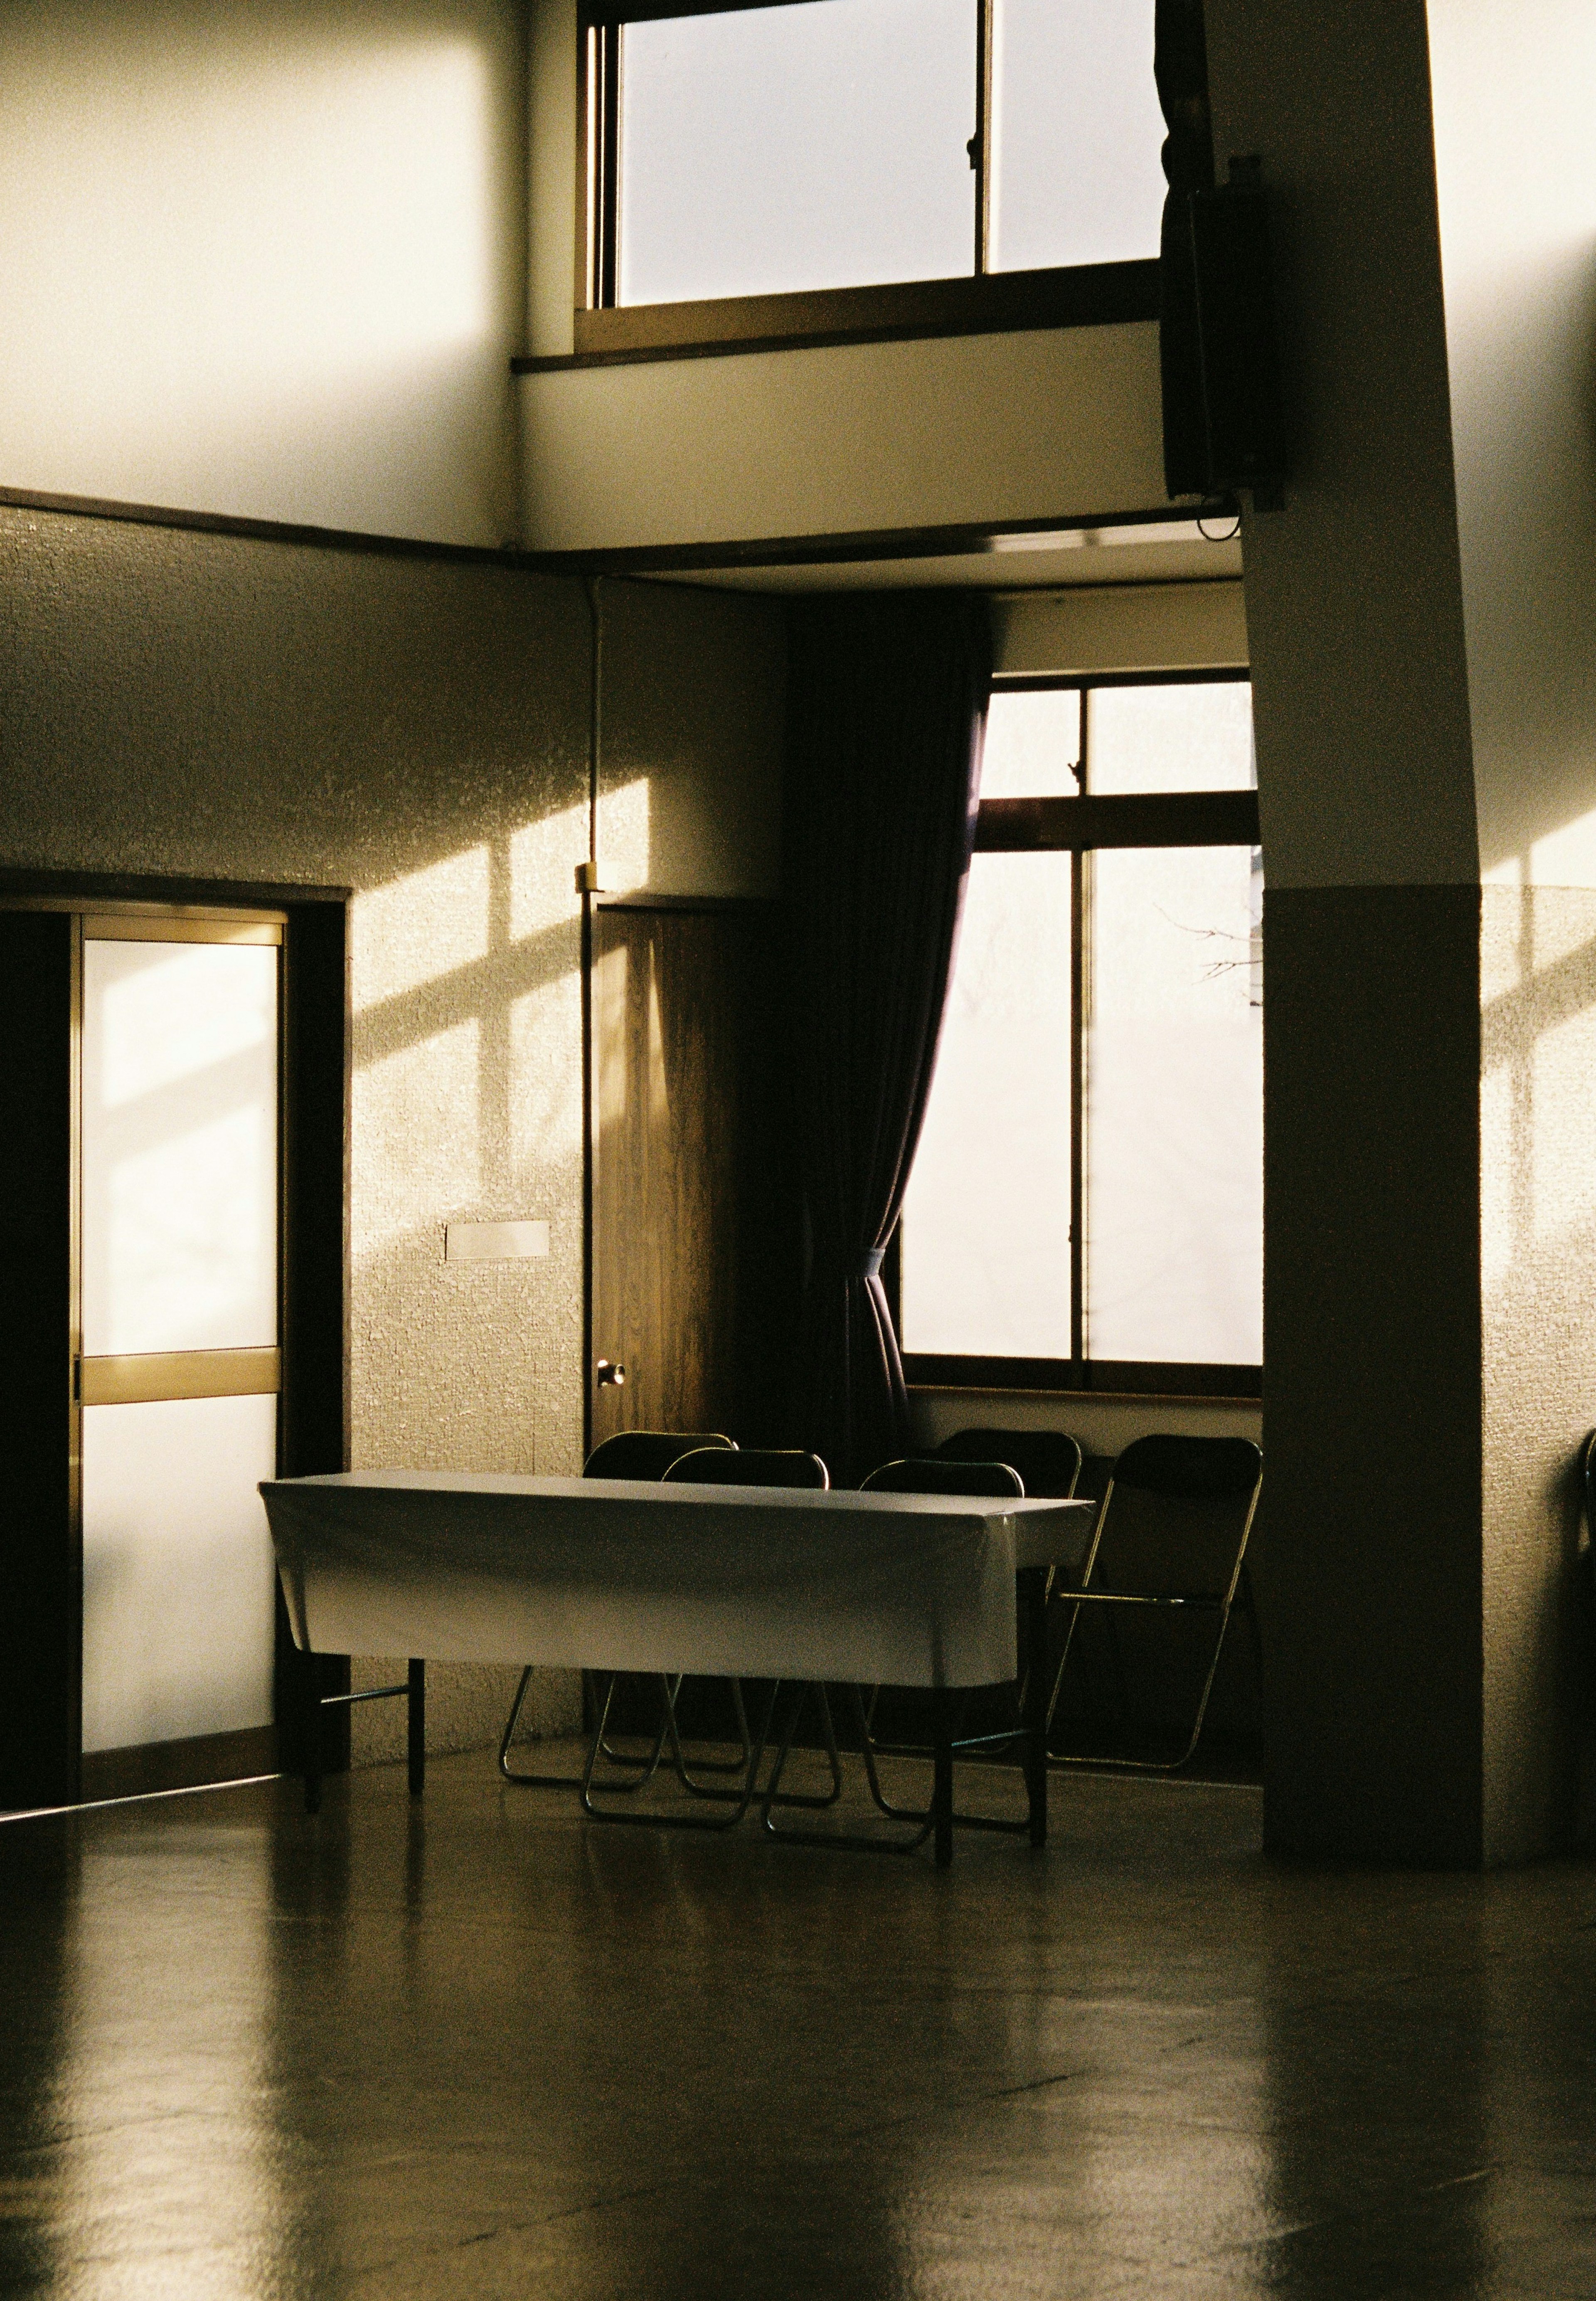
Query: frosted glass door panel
[178, 1577]
[1175, 1107]
[986, 1221]
[180, 1146]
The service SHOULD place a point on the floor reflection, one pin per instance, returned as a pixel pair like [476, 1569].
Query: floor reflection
[478, 2048]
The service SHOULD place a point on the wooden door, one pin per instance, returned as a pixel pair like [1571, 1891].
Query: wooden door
[685, 1195]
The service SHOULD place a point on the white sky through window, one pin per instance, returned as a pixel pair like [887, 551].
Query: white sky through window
[767, 150]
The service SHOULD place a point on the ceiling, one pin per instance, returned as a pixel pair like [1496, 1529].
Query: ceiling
[1173, 551]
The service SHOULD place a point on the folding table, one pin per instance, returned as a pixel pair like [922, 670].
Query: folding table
[907, 1590]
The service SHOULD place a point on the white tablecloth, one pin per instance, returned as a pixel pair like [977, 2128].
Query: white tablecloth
[624, 1574]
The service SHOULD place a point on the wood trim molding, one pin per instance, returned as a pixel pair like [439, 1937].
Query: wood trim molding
[993, 303]
[1095, 1378]
[144, 1378]
[1129, 819]
[818, 549]
[176, 925]
[200, 1762]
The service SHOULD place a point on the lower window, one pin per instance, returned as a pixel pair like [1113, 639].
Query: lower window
[1086, 1205]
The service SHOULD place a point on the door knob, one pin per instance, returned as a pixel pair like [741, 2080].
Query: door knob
[610, 1377]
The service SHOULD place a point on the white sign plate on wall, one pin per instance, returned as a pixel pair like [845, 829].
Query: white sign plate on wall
[501, 1242]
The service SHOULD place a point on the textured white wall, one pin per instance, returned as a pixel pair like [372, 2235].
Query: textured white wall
[1517, 206]
[199, 704]
[265, 257]
[690, 798]
[1056, 424]
[1538, 1284]
[1119, 627]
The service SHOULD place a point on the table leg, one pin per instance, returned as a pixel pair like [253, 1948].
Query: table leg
[416, 1738]
[941, 1794]
[310, 1729]
[1033, 1612]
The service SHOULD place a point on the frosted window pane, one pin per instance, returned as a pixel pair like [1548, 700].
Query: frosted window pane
[1077, 131]
[178, 1577]
[1032, 744]
[772, 149]
[180, 1146]
[1172, 739]
[1174, 1129]
[986, 1253]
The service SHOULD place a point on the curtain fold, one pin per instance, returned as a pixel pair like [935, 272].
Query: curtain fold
[1181, 68]
[886, 712]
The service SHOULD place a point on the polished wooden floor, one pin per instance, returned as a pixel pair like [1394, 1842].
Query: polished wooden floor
[480, 2049]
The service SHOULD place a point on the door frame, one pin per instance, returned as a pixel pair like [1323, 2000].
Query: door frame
[41, 1757]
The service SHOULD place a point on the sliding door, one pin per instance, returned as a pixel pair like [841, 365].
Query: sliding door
[178, 1261]
[173, 1321]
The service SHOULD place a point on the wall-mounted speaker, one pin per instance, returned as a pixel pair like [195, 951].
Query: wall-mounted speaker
[1238, 437]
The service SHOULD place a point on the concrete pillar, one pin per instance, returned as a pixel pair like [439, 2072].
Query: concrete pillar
[1422, 619]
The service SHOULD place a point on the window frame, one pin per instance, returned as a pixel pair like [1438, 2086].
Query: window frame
[1078, 826]
[983, 302]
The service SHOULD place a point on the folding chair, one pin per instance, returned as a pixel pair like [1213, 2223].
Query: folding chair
[934, 1475]
[1191, 1478]
[1048, 1460]
[628, 1454]
[718, 1466]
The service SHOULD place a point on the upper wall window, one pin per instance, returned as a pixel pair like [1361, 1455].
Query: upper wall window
[862, 154]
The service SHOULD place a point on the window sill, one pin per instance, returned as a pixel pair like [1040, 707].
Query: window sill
[1232, 1385]
[1000, 303]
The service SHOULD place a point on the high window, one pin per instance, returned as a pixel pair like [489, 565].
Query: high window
[1086, 1206]
[805, 149]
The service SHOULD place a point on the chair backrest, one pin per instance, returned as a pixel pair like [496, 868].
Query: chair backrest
[649, 1453]
[928, 1475]
[1048, 1460]
[1176, 1516]
[749, 1466]
[1190, 1469]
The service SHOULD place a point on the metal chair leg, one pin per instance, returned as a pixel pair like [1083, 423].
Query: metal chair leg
[644, 1766]
[1062, 1758]
[672, 1689]
[657, 1821]
[847, 1840]
[1032, 1584]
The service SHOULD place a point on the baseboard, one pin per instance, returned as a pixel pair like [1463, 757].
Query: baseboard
[142, 1767]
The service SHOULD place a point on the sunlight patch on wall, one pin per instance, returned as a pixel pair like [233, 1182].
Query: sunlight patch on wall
[417, 928]
[546, 1117]
[543, 856]
[416, 1123]
[1566, 857]
[624, 851]
[1498, 1191]
[1562, 1099]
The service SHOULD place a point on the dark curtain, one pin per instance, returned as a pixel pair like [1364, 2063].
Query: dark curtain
[1181, 68]
[886, 711]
